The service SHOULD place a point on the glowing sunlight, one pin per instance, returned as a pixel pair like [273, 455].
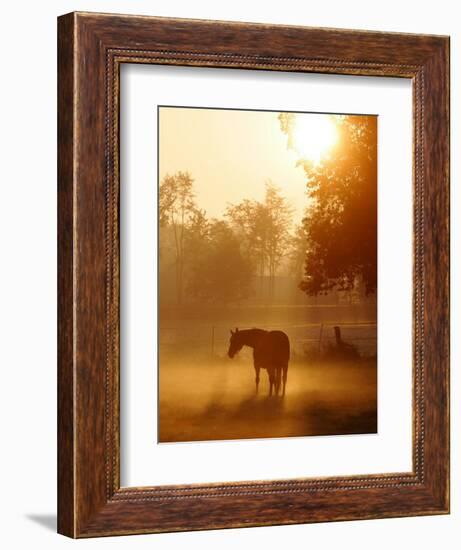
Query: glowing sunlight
[314, 136]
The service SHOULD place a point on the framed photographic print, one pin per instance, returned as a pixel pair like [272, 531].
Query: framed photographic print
[253, 275]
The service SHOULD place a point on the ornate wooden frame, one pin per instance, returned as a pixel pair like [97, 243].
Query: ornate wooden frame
[91, 49]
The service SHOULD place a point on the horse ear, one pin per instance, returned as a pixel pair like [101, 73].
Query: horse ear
[236, 329]
[232, 332]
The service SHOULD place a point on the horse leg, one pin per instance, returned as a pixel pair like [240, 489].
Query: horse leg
[278, 373]
[257, 378]
[270, 372]
[285, 372]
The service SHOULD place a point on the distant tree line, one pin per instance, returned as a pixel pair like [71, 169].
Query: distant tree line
[219, 260]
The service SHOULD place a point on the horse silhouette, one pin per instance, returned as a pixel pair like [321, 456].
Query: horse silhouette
[271, 351]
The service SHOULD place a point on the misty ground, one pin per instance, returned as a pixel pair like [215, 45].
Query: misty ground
[214, 398]
[205, 395]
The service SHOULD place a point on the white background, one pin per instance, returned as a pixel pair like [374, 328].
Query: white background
[28, 274]
[143, 462]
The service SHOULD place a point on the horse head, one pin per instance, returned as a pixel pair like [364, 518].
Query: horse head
[235, 343]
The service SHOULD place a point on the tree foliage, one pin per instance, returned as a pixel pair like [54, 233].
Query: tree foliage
[220, 273]
[264, 228]
[177, 210]
[340, 224]
[208, 263]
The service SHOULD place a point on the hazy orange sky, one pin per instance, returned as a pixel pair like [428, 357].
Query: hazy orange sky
[230, 155]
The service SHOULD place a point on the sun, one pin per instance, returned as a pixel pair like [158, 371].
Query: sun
[314, 136]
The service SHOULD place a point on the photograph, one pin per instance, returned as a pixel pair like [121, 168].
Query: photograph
[226, 311]
[267, 274]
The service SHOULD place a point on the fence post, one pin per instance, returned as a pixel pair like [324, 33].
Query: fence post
[339, 341]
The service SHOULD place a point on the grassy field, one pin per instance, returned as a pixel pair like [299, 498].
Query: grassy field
[204, 397]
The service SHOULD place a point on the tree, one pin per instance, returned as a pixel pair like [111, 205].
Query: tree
[341, 220]
[248, 222]
[177, 209]
[219, 272]
[297, 252]
[264, 229]
[279, 221]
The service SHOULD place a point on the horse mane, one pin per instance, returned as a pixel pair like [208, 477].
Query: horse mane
[247, 336]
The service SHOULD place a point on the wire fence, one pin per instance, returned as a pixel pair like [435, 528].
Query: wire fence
[304, 338]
